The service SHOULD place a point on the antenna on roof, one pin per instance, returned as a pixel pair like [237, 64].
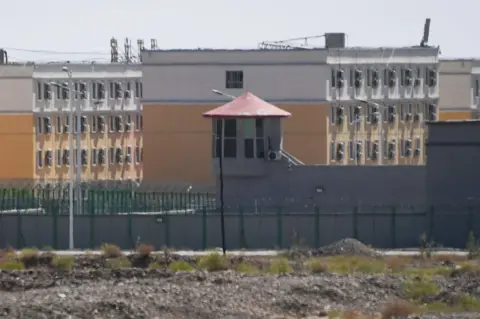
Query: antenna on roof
[141, 47]
[113, 50]
[426, 33]
[153, 44]
[128, 50]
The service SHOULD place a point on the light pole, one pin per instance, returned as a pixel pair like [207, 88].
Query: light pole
[220, 167]
[381, 109]
[70, 137]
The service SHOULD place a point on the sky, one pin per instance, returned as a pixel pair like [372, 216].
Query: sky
[85, 27]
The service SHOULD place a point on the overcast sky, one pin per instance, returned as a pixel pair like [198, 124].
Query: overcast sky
[88, 25]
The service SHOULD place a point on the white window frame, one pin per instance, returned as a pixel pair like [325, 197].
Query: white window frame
[137, 155]
[350, 150]
[94, 157]
[39, 90]
[111, 155]
[332, 151]
[40, 158]
[94, 124]
[59, 157]
[47, 152]
[39, 125]
[128, 123]
[111, 90]
[368, 149]
[111, 123]
[128, 154]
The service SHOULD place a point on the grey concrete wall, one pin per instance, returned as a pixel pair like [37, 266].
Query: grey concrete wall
[456, 85]
[302, 186]
[380, 227]
[453, 170]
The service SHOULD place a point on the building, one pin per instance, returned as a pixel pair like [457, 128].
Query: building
[459, 89]
[400, 90]
[35, 105]
[318, 86]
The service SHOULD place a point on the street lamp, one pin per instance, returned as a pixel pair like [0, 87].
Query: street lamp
[70, 137]
[381, 108]
[220, 166]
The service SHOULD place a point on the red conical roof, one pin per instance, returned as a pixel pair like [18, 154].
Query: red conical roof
[247, 105]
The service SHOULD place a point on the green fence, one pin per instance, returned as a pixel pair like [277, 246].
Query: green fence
[55, 200]
[250, 228]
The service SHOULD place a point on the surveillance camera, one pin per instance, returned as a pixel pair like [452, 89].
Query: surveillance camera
[64, 69]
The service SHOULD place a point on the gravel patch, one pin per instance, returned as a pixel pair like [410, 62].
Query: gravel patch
[138, 293]
[347, 247]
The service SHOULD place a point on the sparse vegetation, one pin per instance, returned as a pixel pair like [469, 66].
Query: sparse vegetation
[180, 266]
[213, 262]
[316, 265]
[29, 257]
[111, 251]
[280, 266]
[418, 288]
[11, 264]
[427, 246]
[398, 309]
[473, 246]
[144, 250]
[155, 266]
[63, 262]
[119, 262]
[247, 268]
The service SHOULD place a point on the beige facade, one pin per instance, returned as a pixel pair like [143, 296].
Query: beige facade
[354, 134]
[110, 122]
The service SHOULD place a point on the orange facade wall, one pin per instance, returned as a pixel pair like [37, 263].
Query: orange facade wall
[305, 132]
[458, 115]
[17, 144]
[177, 144]
[177, 140]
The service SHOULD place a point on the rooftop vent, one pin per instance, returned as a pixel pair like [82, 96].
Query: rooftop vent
[334, 40]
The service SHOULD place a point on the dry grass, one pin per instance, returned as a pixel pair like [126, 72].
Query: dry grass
[398, 308]
[144, 250]
[213, 262]
[111, 251]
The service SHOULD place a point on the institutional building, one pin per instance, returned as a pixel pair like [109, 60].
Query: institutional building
[460, 89]
[35, 126]
[320, 87]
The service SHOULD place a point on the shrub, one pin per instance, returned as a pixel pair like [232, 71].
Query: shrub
[180, 266]
[12, 265]
[213, 262]
[247, 268]
[473, 246]
[29, 257]
[144, 250]
[111, 251]
[316, 266]
[398, 309]
[155, 266]
[280, 266]
[416, 289]
[117, 263]
[63, 262]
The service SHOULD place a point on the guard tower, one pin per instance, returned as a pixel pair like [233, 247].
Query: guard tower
[248, 131]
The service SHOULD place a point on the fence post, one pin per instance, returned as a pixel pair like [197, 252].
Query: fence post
[167, 228]
[92, 201]
[243, 243]
[279, 228]
[317, 227]
[55, 227]
[431, 223]
[393, 227]
[129, 229]
[204, 228]
[19, 231]
[355, 222]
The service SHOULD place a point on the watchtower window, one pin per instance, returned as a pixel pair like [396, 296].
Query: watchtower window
[229, 137]
[254, 142]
